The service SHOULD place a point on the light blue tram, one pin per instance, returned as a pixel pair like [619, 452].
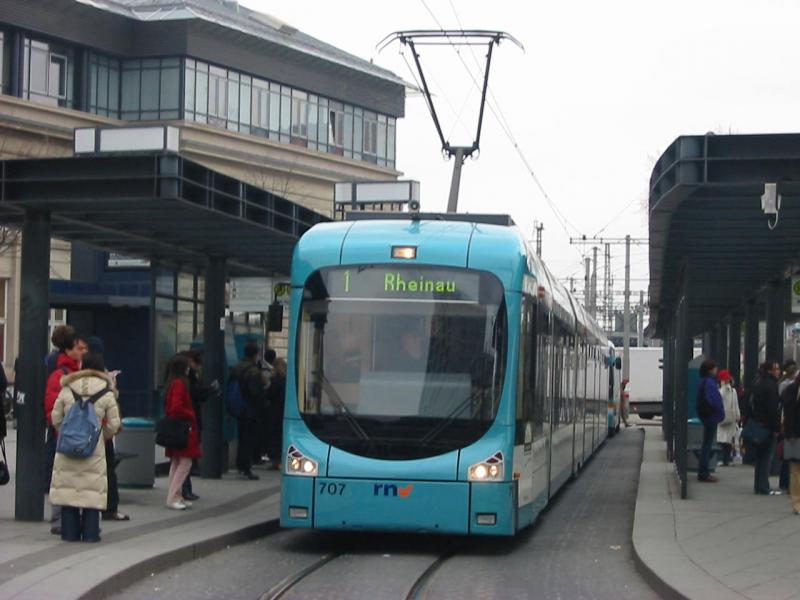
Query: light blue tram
[440, 379]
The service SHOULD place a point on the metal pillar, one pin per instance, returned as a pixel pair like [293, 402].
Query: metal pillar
[710, 344]
[668, 396]
[31, 376]
[455, 182]
[721, 348]
[735, 348]
[750, 344]
[213, 463]
[626, 315]
[587, 282]
[776, 312]
[593, 307]
[640, 321]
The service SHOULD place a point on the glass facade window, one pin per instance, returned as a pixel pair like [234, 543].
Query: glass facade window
[150, 89]
[299, 118]
[169, 88]
[5, 56]
[48, 73]
[335, 127]
[104, 79]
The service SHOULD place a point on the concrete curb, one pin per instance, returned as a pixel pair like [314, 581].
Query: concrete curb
[661, 587]
[176, 557]
[658, 553]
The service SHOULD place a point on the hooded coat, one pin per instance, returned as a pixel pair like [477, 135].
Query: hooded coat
[82, 482]
[726, 430]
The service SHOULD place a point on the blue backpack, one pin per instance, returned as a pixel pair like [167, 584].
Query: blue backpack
[235, 402]
[80, 430]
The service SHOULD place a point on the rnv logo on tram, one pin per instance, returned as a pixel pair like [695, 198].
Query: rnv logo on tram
[389, 489]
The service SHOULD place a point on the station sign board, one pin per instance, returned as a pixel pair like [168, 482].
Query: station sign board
[250, 294]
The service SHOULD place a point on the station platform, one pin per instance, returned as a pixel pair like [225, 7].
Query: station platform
[722, 542]
[36, 565]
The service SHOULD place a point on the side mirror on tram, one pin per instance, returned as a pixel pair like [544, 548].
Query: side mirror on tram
[275, 317]
[618, 364]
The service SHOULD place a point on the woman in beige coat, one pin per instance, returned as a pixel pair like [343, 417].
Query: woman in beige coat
[80, 485]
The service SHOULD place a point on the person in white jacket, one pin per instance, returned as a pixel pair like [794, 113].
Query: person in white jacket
[726, 431]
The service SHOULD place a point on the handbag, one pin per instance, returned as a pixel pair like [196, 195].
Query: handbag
[755, 434]
[791, 449]
[5, 475]
[173, 433]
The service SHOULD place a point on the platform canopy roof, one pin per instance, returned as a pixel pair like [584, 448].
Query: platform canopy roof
[705, 215]
[157, 205]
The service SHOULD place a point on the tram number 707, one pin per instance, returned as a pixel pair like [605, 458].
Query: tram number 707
[331, 489]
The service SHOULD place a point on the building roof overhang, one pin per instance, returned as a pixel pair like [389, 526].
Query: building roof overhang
[705, 216]
[157, 205]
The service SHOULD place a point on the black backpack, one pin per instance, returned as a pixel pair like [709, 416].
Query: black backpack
[704, 410]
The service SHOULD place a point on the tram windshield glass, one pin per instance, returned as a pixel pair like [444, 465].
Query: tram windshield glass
[400, 362]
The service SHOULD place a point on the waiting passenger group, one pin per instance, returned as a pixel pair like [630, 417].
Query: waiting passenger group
[770, 424]
[82, 487]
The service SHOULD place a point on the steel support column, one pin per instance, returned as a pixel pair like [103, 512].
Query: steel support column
[750, 344]
[683, 354]
[776, 312]
[735, 347]
[30, 378]
[721, 349]
[668, 396]
[214, 459]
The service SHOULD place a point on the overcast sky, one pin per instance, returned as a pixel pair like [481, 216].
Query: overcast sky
[600, 91]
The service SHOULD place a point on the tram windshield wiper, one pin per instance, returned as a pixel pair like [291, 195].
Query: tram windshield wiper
[450, 418]
[341, 406]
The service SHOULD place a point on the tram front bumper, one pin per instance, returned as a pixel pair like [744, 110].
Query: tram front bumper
[381, 505]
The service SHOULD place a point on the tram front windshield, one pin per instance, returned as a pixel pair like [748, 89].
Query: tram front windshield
[400, 363]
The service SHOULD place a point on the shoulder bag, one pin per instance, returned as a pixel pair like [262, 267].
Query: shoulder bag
[755, 434]
[5, 475]
[173, 433]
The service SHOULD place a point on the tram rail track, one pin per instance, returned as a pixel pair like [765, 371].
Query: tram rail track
[280, 589]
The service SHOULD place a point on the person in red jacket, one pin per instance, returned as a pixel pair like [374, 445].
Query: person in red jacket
[179, 406]
[68, 361]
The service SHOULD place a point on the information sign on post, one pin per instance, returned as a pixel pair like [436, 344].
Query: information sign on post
[250, 294]
[795, 295]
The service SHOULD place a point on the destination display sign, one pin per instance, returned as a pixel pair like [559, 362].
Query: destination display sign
[390, 281]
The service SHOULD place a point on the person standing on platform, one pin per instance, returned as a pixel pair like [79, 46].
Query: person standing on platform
[70, 349]
[276, 398]
[765, 410]
[179, 406]
[711, 412]
[253, 387]
[726, 430]
[79, 485]
[200, 394]
[111, 512]
[791, 444]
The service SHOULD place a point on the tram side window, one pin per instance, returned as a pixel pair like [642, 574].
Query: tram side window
[543, 378]
[528, 409]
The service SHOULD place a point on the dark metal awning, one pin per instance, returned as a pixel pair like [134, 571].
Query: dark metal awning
[705, 213]
[159, 206]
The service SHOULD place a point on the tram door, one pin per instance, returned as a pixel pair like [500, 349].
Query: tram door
[528, 440]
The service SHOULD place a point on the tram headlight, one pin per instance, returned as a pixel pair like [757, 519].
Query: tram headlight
[490, 469]
[298, 463]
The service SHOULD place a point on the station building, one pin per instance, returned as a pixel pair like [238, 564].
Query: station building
[264, 113]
